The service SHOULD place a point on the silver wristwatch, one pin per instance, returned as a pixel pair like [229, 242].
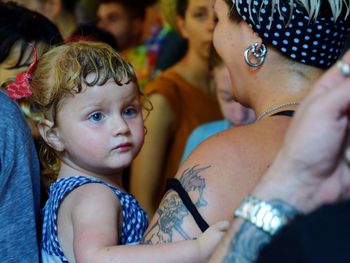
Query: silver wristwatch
[264, 215]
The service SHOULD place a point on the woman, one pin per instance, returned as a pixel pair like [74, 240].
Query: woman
[275, 51]
[182, 99]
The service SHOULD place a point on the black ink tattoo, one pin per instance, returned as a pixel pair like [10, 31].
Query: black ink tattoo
[172, 211]
[247, 242]
[192, 181]
[171, 215]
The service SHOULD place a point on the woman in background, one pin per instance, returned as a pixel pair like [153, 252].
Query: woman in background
[182, 99]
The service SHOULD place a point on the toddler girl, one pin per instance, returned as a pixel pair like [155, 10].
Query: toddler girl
[93, 128]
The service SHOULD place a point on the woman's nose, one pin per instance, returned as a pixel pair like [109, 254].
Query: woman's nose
[211, 23]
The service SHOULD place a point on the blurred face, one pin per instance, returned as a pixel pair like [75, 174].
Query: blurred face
[233, 111]
[197, 26]
[101, 128]
[113, 18]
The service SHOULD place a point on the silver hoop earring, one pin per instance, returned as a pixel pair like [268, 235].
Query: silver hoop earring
[258, 54]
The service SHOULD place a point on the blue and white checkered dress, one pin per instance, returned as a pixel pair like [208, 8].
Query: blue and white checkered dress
[134, 218]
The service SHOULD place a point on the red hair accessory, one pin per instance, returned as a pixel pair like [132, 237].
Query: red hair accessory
[20, 88]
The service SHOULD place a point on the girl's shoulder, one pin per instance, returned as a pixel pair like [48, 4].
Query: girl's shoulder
[64, 186]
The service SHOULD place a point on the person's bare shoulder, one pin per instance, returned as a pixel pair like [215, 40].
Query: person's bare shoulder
[79, 225]
[231, 162]
[199, 176]
[217, 175]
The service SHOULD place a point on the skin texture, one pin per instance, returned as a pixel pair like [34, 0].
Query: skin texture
[311, 169]
[231, 163]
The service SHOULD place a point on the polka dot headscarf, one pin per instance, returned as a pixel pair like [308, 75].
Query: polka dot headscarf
[288, 27]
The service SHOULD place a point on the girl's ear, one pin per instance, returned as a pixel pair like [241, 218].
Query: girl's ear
[50, 135]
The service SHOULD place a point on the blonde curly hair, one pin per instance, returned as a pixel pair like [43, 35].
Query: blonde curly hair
[64, 71]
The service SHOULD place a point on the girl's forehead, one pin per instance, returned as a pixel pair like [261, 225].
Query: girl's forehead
[101, 95]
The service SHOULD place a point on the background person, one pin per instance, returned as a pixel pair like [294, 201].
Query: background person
[124, 19]
[20, 30]
[62, 13]
[183, 98]
[19, 186]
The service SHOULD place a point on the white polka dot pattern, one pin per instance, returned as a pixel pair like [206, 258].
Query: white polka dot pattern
[289, 29]
[134, 218]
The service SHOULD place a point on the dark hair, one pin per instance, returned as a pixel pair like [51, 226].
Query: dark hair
[69, 5]
[135, 8]
[149, 2]
[20, 25]
[181, 7]
[233, 14]
[215, 61]
[91, 32]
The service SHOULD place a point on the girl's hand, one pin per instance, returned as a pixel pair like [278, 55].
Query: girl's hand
[211, 238]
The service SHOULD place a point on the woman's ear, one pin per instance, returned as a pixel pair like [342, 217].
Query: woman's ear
[249, 36]
[181, 25]
[50, 135]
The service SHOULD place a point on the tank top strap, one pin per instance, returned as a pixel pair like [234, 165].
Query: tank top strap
[174, 184]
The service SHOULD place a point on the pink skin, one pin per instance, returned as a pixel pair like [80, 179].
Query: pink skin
[101, 129]
[123, 147]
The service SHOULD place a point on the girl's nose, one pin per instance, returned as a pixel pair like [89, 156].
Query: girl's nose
[120, 127]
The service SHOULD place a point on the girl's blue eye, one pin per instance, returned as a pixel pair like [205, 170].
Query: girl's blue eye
[130, 112]
[96, 117]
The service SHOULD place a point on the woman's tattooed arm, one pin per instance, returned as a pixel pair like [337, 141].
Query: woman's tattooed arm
[172, 212]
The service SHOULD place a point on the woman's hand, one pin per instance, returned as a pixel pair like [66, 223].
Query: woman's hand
[312, 167]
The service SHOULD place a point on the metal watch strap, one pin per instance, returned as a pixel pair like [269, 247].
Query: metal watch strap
[264, 215]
